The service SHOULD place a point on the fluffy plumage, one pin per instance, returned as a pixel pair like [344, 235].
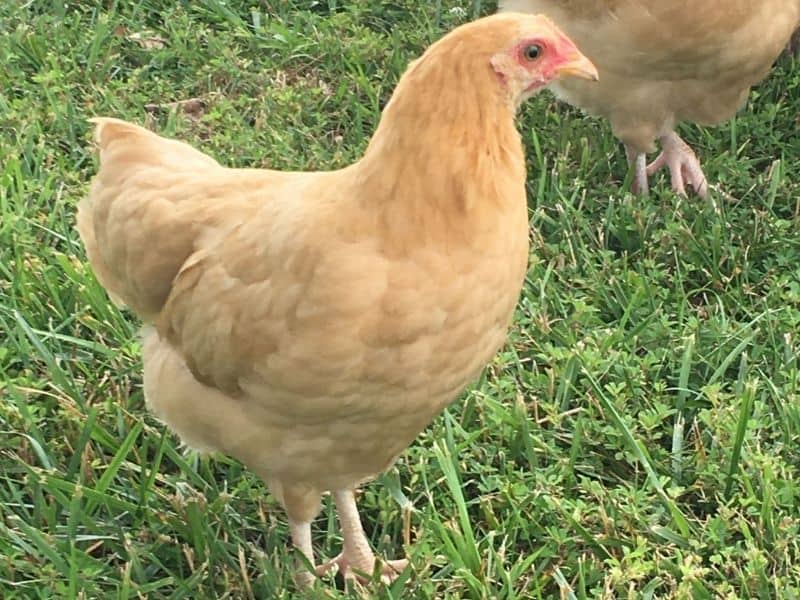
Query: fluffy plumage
[662, 62]
[312, 324]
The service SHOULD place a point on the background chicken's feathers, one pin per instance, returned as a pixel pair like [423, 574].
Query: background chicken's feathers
[663, 62]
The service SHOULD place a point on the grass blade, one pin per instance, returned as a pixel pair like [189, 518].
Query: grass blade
[643, 456]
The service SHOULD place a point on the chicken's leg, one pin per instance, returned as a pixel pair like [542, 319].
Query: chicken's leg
[301, 538]
[684, 168]
[301, 502]
[357, 559]
[638, 161]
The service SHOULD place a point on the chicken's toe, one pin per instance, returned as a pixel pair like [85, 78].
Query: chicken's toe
[683, 164]
[693, 175]
[361, 568]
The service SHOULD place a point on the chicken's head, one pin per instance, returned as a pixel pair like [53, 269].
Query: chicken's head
[540, 54]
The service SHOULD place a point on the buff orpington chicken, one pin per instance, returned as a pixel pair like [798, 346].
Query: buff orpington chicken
[311, 324]
[662, 62]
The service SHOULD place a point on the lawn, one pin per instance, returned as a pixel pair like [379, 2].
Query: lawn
[637, 437]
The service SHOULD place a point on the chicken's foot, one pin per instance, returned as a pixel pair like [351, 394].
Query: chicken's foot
[684, 167]
[357, 561]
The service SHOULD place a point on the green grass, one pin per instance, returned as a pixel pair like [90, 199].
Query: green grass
[636, 438]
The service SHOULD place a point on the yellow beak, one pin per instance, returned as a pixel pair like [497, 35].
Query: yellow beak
[578, 66]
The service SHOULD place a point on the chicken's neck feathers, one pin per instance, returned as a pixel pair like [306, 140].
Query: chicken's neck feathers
[446, 140]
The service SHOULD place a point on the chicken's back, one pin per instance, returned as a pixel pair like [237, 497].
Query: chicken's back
[665, 62]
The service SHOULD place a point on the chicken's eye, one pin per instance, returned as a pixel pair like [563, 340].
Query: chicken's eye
[532, 52]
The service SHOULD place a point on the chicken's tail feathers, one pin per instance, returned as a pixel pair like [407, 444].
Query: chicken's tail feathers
[85, 226]
[128, 144]
[109, 130]
[128, 213]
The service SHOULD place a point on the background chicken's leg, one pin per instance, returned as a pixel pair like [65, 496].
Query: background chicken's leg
[357, 559]
[683, 165]
[638, 161]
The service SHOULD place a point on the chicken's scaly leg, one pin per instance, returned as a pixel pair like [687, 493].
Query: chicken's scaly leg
[357, 559]
[301, 538]
[684, 168]
[638, 161]
[301, 503]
